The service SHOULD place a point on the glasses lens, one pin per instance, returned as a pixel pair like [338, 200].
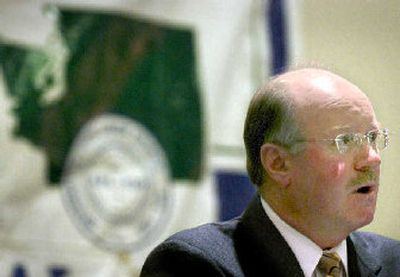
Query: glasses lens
[378, 139]
[383, 139]
[344, 142]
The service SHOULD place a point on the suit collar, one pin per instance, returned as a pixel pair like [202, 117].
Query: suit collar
[307, 252]
[261, 247]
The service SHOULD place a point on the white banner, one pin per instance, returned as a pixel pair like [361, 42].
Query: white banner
[37, 235]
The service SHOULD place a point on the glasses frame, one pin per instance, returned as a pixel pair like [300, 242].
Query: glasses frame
[357, 140]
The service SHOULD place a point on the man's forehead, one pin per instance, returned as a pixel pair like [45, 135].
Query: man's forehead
[334, 121]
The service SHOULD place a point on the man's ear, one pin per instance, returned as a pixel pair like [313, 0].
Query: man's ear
[276, 162]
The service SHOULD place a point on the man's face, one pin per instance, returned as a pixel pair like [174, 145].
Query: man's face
[334, 191]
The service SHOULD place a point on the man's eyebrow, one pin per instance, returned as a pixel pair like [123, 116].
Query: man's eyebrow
[352, 129]
[342, 128]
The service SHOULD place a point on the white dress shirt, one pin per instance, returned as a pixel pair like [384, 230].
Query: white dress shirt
[306, 251]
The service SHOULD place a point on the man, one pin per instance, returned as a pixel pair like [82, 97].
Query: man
[312, 142]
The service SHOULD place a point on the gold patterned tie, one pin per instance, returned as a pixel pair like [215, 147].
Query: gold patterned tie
[329, 264]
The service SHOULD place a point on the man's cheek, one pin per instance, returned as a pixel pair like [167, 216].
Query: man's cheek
[336, 170]
[331, 168]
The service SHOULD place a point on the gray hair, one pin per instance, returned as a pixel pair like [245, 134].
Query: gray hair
[270, 118]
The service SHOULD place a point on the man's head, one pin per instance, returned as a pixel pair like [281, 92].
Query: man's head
[313, 186]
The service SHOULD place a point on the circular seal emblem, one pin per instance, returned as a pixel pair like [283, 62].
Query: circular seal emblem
[115, 184]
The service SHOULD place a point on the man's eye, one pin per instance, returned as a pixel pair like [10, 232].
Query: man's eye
[347, 139]
[372, 136]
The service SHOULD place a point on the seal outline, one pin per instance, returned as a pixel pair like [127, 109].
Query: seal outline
[81, 211]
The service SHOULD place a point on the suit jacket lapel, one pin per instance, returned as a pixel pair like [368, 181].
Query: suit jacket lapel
[262, 251]
[352, 261]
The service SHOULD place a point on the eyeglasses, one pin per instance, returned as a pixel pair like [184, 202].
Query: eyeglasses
[378, 139]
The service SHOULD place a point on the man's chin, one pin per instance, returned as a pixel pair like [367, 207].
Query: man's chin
[364, 219]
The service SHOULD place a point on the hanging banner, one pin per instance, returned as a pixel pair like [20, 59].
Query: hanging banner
[122, 125]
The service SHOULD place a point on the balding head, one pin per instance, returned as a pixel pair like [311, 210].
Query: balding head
[311, 86]
[320, 96]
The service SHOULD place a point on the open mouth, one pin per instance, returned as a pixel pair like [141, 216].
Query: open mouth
[365, 189]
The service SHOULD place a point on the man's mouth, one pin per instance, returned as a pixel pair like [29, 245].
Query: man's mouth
[365, 189]
[366, 183]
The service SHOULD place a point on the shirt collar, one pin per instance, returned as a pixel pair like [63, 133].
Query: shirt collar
[306, 251]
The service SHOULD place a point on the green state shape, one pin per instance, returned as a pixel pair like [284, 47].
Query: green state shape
[116, 64]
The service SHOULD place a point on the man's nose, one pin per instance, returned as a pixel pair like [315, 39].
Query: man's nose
[367, 157]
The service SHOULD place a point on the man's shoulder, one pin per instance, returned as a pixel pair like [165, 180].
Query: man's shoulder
[211, 237]
[376, 249]
[206, 250]
[375, 242]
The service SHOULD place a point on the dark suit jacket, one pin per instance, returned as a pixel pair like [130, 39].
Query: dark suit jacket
[250, 245]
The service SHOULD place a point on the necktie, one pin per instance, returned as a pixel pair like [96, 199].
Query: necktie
[329, 264]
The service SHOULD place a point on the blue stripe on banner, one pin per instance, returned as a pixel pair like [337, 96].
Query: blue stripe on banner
[276, 24]
[234, 188]
[234, 191]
